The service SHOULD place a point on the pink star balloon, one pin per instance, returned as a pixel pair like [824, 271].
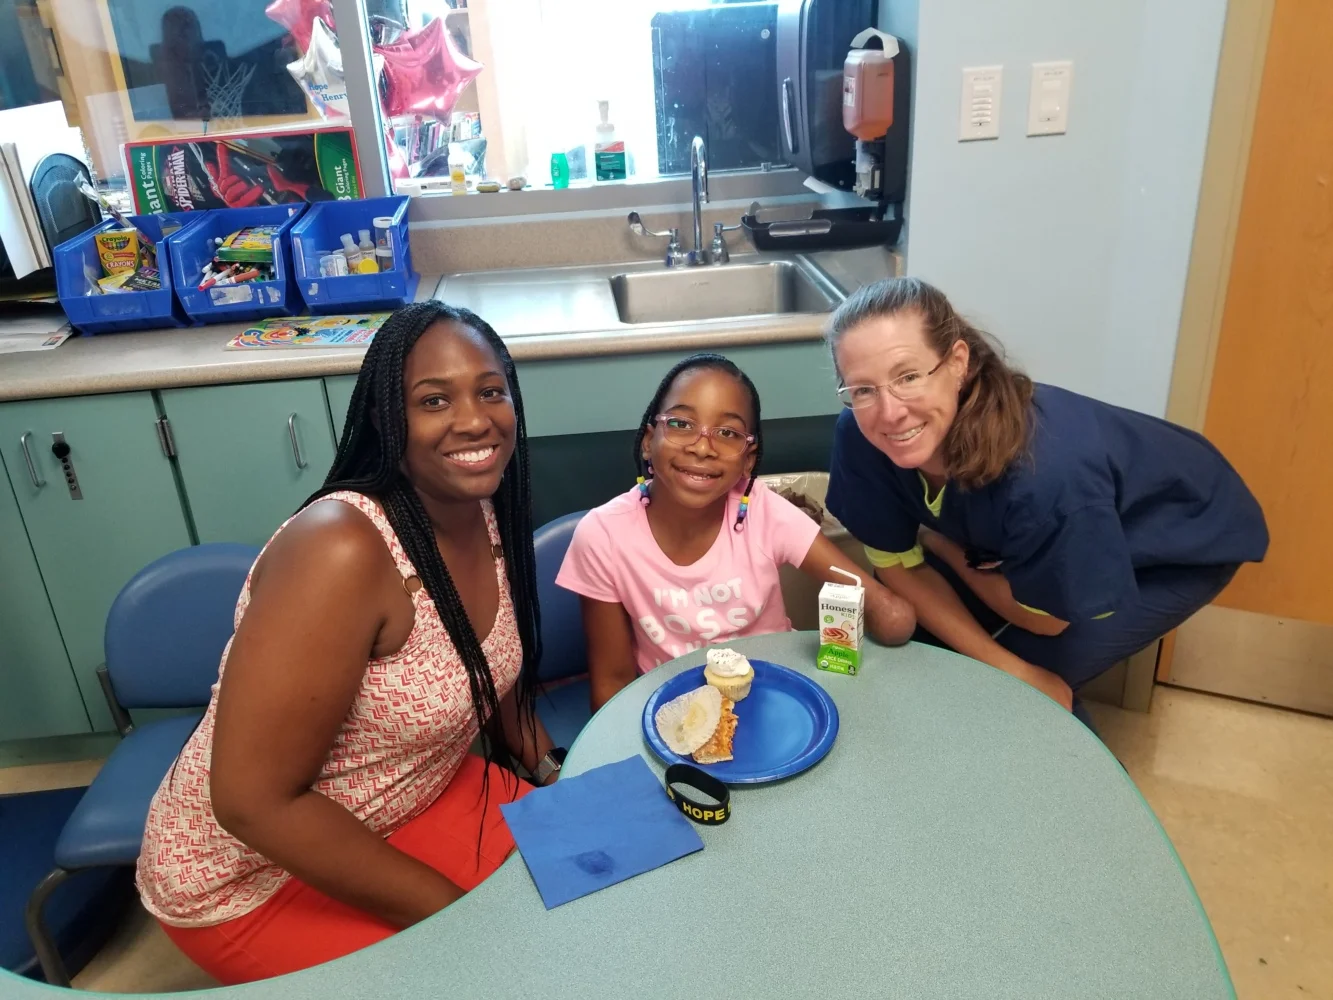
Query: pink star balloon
[424, 72]
[298, 17]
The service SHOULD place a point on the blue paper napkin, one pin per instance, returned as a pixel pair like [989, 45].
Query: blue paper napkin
[599, 828]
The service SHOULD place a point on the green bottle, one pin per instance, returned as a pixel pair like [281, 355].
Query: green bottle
[559, 170]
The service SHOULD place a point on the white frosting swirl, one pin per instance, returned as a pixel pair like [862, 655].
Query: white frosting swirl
[727, 663]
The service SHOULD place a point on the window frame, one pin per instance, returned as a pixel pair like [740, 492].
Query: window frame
[363, 104]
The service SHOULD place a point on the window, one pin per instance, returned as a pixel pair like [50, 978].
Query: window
[427, 84]
[163, 105]
[135, 70]
[178, 105]
[532, 74]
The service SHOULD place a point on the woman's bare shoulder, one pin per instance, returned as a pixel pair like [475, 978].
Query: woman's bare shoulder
[327, 543]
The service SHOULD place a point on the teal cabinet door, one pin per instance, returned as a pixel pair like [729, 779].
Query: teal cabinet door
[128, 515]
[38, 694]
[250, 454]
[340, 396]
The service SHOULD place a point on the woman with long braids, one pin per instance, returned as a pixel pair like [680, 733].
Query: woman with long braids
[689, 556]
[327, 798]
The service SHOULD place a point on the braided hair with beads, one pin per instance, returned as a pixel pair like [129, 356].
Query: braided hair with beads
[369, 461]
[695, 362]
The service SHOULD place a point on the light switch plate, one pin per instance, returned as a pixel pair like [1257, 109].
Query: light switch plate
[1048, 103]
[979, 113]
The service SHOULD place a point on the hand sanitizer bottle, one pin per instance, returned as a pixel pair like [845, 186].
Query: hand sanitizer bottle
[609, 150]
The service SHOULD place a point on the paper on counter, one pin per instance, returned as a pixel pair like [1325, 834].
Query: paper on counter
[14, 343]
[33, 328]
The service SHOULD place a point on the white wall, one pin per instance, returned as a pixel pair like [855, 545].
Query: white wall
[1072, 249]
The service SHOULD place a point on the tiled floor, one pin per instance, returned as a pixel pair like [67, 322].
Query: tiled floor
[1245, 792]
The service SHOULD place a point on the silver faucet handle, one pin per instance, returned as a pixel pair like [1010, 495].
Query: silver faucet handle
[639, 229]
[675, 256]
[718, 253]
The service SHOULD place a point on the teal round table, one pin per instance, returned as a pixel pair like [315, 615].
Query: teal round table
[964, 838]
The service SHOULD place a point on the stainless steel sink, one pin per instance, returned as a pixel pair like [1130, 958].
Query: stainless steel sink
[751, 291]
[738, 289]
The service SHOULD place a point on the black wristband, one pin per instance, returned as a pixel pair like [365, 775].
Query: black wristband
[692, 777]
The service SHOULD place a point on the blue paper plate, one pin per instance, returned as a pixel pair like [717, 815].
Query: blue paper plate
[787, 724]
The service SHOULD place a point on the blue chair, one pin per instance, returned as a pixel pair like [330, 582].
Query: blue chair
[165, 635]
[563, 704]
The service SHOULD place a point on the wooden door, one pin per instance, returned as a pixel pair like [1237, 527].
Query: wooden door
[128, 513]
[249, 454]
[1269, 636]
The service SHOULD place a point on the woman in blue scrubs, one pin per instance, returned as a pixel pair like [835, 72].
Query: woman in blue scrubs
[1039, 531]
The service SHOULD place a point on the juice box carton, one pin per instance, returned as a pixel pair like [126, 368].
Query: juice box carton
[841, 626]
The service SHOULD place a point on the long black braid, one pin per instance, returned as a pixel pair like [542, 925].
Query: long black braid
[369, 460]
[713, 362]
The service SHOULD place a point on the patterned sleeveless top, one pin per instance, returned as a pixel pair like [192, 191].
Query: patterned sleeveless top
[401, 743]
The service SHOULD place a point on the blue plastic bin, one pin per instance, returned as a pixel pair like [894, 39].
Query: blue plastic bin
[77, 269]
[319, 233]
[191, 249]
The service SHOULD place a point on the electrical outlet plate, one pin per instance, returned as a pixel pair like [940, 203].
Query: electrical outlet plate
[979, 113]
[1048, 102]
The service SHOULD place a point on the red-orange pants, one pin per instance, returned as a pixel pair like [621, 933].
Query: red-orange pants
[300, 926]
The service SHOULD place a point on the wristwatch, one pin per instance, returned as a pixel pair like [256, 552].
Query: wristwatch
[549, 765]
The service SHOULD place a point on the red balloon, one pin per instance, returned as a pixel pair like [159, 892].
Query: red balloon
[424, 72]
[298, 17]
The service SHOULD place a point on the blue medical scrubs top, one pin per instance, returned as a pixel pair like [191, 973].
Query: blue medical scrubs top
[1102, 492]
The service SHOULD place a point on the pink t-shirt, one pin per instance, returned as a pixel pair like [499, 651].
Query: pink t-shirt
[729, 593]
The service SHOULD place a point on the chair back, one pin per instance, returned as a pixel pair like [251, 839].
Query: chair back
[564, 648]
[168, 626]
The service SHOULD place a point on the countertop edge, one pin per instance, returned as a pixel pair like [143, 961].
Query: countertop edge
[278, 364]
[197, 356]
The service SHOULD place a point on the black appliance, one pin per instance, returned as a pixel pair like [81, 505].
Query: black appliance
[813, 39]
[712, 73]
[762, 83]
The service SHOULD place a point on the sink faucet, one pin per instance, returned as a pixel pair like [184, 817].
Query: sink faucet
[698, 194]
[676, 257]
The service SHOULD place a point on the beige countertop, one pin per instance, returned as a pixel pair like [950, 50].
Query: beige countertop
[168, 359]
[160, 359]
[163, 359]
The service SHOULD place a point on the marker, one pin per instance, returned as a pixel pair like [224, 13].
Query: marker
[215, 278]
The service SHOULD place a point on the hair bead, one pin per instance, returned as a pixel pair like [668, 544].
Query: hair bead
[741, 513]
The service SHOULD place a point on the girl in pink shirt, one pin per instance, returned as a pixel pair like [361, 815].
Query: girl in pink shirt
[689, 557]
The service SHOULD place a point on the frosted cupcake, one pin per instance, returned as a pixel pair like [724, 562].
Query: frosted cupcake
[729, 672]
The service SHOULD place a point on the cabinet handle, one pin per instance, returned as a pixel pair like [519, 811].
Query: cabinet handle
[301, 463]
[37, 480]
[165, 438]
